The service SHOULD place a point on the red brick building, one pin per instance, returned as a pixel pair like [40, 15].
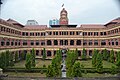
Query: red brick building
[22, 38]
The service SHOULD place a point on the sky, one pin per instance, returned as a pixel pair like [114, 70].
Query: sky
[79, 11]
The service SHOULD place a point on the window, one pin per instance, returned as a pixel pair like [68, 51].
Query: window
[95, 33]
[2, 43]
[16, 43]
[37, 43]
[23, 33]
[89, 33]
[90, 42]
[8, 43]
[55, 42]
[85, 42]
[103, 42]
[48, 53]
[12, 42]
[42, 43]
[71, 33]
[24, 42]
[112, 42]
[78, 42]
[49, 42]
[116, 42]
[32, 43]
[95, 42]
[84, 33]
[71, 42]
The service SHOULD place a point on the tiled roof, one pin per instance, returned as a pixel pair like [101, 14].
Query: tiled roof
[92, 26]
[35, 26]
[11, 21]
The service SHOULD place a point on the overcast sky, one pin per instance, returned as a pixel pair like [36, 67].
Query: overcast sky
[79, 11]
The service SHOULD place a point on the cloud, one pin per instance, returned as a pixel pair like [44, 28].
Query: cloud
[80, 11]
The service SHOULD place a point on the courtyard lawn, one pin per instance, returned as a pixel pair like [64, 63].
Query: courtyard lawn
[39, 63]
[23, 74]
[96, 75]
[88, 64]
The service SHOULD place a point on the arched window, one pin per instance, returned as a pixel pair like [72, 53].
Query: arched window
[79, 53]
[61, 42]
[2, 42]
[37, 52]
[7, 42]
[66, 42]
[49, 42]
[78, 42]
[48, 53]
[55, 42]
[71, 42]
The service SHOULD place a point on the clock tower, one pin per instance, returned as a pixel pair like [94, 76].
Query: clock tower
[63, 17]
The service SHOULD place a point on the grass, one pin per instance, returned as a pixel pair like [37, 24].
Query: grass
[39, 63]
[88, 64]
[23, 74]
[96, 75]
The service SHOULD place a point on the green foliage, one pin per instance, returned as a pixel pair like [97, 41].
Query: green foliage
[99, 64]
[7, 53]
[56, 63]
[50, 71]
[94, 57]
[118, 59]
[105, 54]
[113, 70]
[112, 56]
[84, 56]
[23, 56]
[6, 59]
[33, 58]
[16, 57]
[44, 54]
[70, 60]
[76, 70]
[28, 64]
[11, 62]
[76, 53]
[3, 60]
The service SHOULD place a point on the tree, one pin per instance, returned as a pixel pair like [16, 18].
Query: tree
[84, 54]
[105, 54]
[50, 71]
[94, 57]
[112, 56]
[28, 64]
[23, 55]
[76, 70]
[7, 53]
[33, 58]
[99, 64]
[70, 60]
[11, 62]
[76, 53]
[44, 54]
[118, 59]
[3, 60]
[16, 57]
[113, 70]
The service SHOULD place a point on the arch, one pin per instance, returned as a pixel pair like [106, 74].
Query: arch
[49, 42]
[49, 53]
[55, 42]
[90, 52]
[79, 53]
[66, 42]
[71, 42]
[37, 52]
[61, 42]
[78, 42]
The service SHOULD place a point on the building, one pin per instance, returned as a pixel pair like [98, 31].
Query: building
[32, 22]
[54, 22]
[22, 38]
